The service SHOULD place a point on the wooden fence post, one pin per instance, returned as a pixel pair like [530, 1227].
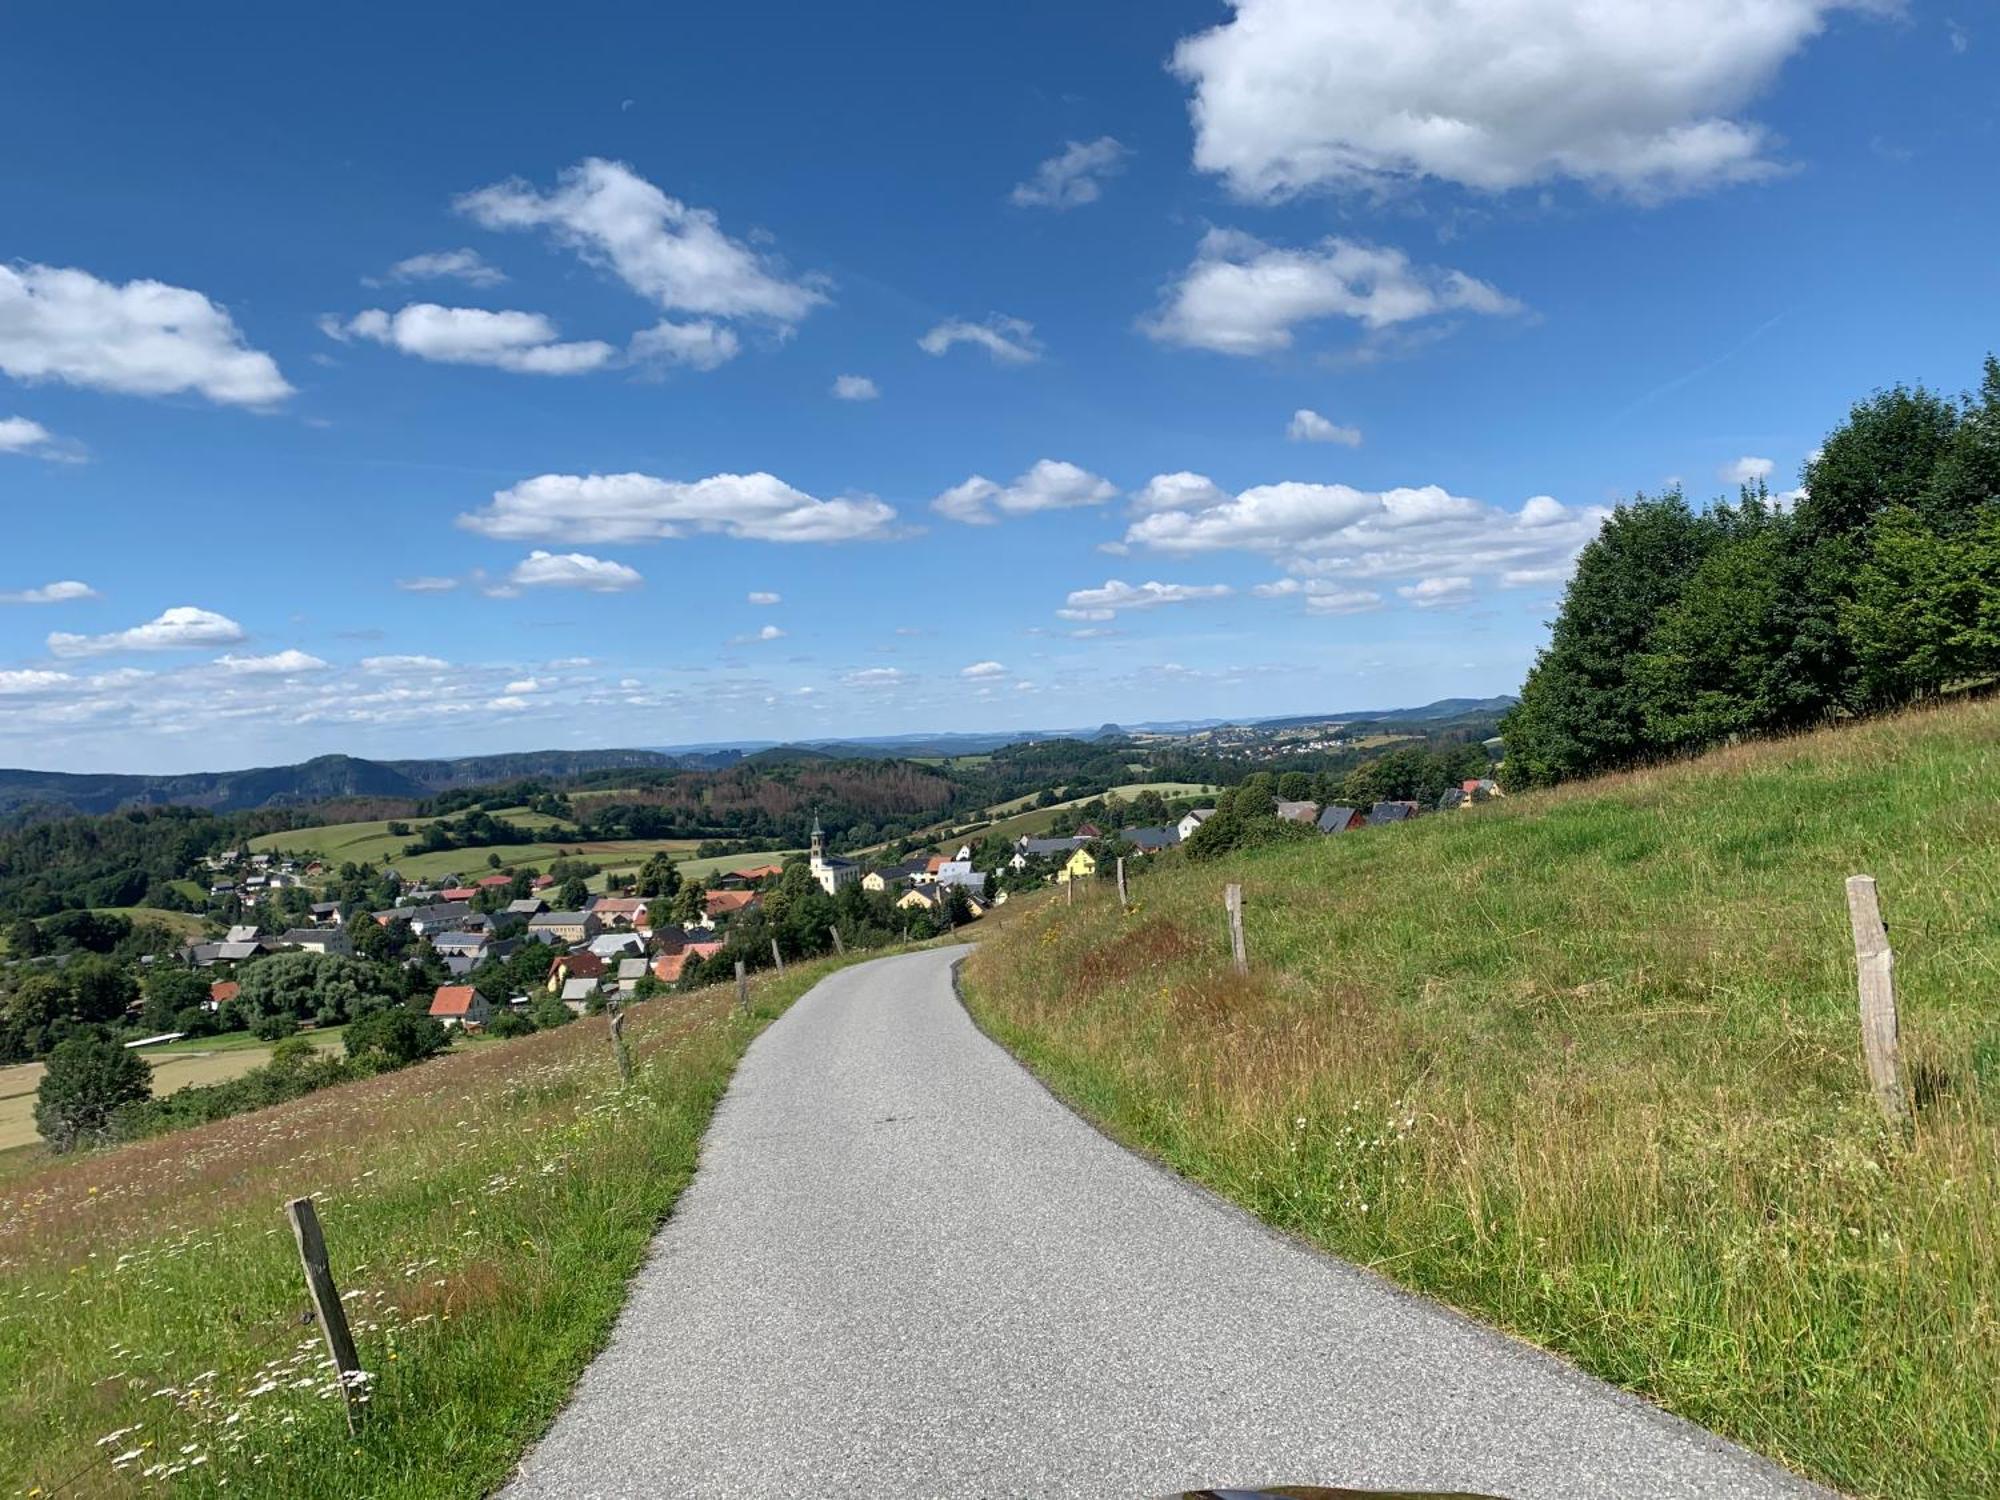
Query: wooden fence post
[777, 957]
[742, 987]
[1069, 886]
[1232, 902]
[326, 1302]
[1123, 902]
[838, 946]
[617, 1014]
[1875, 966]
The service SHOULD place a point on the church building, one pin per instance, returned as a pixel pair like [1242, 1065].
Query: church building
[831, 874]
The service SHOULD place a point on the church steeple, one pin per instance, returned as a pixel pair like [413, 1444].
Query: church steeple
[818, 841]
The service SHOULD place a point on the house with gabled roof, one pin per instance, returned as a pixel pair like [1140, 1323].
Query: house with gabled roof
[460, 1005]
[1150, 840]
[1392, 812]
[1192, 820]
[1334, 819]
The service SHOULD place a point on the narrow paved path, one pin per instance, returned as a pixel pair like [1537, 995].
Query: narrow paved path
[905, 1271]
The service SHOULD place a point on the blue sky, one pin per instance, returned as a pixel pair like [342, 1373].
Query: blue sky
[382, 383]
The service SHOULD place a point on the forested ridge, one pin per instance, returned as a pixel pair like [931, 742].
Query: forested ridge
[1682, 629]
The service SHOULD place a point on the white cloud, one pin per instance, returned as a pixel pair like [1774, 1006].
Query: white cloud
[674, 255]
[1342, 602]
[405, 664]
[62, 592]
[522, 685]
[1241, 296]
[1073, 178]
[1627, 96]
[1309, 426]
[640, 507]
[25, 436]
[1337, 531]
[700, 345]
[979, 671]
[875, 677]
[182, 628]
[854, 388]
[1180, 491]
[1747, 470]
[279, 664]
[523, 342]
[768, 633]
[761, 596]
[1011, 341]
[573, 570]
[426, 585]
[1438, 593]
[32, 681]
[507, 705]
[446, 265]
[1050, 485]
[143, 338]
[1115, 595]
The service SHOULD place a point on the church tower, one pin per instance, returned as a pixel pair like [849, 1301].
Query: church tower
[818, 842]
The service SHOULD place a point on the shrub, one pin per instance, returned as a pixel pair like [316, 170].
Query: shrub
[275, 1028]
[549, 1012]
[293, 1052]
[87, 1078]
[510, 1024]
[394, 1038]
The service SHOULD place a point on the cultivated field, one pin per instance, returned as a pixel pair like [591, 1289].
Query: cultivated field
[176, 1065]
[1019, 818]
[1586, 1064]
[373, 843]
[483, 1211]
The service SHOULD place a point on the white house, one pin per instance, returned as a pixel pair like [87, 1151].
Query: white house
[831, 874]
[1194, 820]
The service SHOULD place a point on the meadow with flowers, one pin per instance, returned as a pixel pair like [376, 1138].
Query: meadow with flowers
[483, 1213]
[1586, 1064]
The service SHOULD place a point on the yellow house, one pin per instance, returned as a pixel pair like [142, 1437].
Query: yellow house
[1082, 865]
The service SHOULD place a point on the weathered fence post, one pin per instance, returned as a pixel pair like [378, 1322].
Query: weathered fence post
[742, 987]
[1123, 902]
[838, 946]
[777, 957]
[1232, 902]
[1069, 886]
[617, 1014]
[326, 1302]
[1875, 966]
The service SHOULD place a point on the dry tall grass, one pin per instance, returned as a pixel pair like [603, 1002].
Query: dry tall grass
[1586, 1064]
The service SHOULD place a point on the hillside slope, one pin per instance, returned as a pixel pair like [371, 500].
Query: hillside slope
[1586, 1064]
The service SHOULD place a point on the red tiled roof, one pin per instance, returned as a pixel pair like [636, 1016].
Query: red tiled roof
[453, 1000]
[543, 882]
[493, 880]
[578, 965]
[723, 903]
[669, 967]
[934, 864]
[224, 990]
[459, 893]
[759, 872]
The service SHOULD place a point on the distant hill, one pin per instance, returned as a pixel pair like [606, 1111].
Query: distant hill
[27, 794]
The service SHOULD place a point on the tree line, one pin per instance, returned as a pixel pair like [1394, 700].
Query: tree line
[1683, 628]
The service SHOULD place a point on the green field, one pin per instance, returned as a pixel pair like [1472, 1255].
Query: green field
[483, 1211]
[1033, 821]
[1586, 1064]
[372, 843]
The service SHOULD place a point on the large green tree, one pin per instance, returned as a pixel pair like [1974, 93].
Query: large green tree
[85, 1080]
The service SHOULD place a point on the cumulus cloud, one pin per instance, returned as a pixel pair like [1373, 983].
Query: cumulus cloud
[854, 388]
[523, 342]
[278, 664]
[1309, 426]
[1438, 593]
[21, 435]
[699, 345]
[1011, 341]
[640, 507]
[1179, 491]
[670, 253]
[182, 628]
[64, 591]
[1241, 296]
[979, 671]
[427, 585]
[32, 680]
[1105, 602]
[446, 265]
[764, 596]
[875, 677]
[768, 633]
[1747, 470]
[1628, 96]
[1334, 531]
[573, 570]
[1072, 178]
[141, 338]
[1050, 485]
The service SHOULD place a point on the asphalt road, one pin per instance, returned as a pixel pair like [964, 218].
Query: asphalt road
[904, 1270]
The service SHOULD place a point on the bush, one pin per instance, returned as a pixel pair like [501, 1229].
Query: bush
[549, 1012]
[87, 1078]
[510, 1024]
[275, 1028]
[293, 1052]
[394, 1038]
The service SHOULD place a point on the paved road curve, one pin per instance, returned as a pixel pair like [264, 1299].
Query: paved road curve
[905, 1271]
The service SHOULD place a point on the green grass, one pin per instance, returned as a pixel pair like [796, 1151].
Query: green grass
[1586, 1064]
[1019, 819]
[484, 1212]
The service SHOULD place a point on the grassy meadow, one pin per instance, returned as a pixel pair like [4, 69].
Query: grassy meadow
[1586, 1065]
[484, 1212]
[1020, 818]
